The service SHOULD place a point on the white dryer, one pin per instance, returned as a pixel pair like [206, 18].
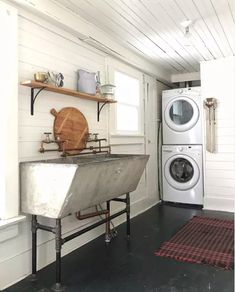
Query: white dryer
[182, 174]
[182, 116]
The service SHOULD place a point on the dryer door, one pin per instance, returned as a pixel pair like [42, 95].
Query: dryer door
[181, 114]
[181, 172]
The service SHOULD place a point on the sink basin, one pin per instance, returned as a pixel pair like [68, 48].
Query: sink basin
[55, 188]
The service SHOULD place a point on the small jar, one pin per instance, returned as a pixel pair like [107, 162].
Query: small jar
[108, 90]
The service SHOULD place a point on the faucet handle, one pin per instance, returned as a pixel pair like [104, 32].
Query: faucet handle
[47, 137]
[96, 136]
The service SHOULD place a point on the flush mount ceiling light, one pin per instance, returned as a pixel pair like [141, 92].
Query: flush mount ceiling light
[187, 33]
[187, 24]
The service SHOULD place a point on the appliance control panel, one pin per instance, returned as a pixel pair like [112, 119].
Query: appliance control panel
[188, 91]
[182, 148]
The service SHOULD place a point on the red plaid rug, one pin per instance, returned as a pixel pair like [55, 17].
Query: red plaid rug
[202, 240]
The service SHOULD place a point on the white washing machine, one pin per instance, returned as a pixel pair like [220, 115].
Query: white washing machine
[182, 116]
[182, 174]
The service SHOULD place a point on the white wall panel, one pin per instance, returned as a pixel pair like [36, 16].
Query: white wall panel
[8, 112]
[43, 50]
[217, 79]
[43, 47]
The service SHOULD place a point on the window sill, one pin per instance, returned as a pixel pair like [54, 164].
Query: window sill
[12, 221]
[126, 135]
[126, 139]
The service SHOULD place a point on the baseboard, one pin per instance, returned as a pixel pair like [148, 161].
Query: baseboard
[219, 204]
[142, 206]
[20, 265]
[182, 205]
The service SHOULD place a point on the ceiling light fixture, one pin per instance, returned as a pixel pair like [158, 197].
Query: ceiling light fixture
[187, 24]
[98, 45]
[187, 37]
[187, 33]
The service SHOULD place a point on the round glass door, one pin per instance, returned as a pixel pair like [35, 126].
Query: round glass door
[181, 170]
[181, 114]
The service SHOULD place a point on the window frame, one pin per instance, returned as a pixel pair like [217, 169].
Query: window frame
[115, 66]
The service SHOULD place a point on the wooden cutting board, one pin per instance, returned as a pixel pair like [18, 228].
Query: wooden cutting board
[70, 125]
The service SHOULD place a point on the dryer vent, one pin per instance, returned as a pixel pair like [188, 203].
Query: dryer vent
[188, 84]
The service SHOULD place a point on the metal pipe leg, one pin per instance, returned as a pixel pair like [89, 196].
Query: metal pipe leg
[128, 225]
[33, 276]
[107, 225]
[58, 244]
[58, 268]
[34, 245]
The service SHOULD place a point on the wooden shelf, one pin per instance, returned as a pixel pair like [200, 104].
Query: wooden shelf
[34, 85]
[66, 91]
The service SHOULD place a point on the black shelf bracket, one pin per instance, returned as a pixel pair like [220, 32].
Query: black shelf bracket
[99, 108]
[33, 98]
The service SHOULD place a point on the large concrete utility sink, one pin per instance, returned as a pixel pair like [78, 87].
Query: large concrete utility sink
[57, 187]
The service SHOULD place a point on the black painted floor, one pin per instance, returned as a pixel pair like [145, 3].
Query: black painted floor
[133, 267]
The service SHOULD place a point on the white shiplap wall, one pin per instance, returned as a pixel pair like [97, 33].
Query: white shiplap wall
[217, 80]
[43, 46]
[8, 111]
[40, 50]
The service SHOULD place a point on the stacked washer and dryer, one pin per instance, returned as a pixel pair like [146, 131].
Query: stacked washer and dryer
[182, 152]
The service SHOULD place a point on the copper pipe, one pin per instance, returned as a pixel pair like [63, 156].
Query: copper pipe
[42, 149]
[97, 140]
[79, 216]
[93, 149]
[88, 148]
[62, 147]
[107, 224]
[85, 153]
[73, 149]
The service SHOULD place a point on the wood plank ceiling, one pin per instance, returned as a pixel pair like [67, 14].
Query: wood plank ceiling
[153, 28]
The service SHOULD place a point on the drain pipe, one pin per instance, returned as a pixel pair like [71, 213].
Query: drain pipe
[79, 216]
[106, 212]
[159, 159]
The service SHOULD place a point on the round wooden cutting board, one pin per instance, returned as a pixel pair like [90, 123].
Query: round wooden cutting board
[70, 125]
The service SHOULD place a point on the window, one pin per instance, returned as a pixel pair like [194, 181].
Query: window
[128, 113]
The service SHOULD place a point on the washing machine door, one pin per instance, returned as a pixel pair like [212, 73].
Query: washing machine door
[181, 114]
[181, 172]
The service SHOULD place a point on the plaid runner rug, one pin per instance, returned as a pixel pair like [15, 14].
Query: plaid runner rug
[202, 240]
